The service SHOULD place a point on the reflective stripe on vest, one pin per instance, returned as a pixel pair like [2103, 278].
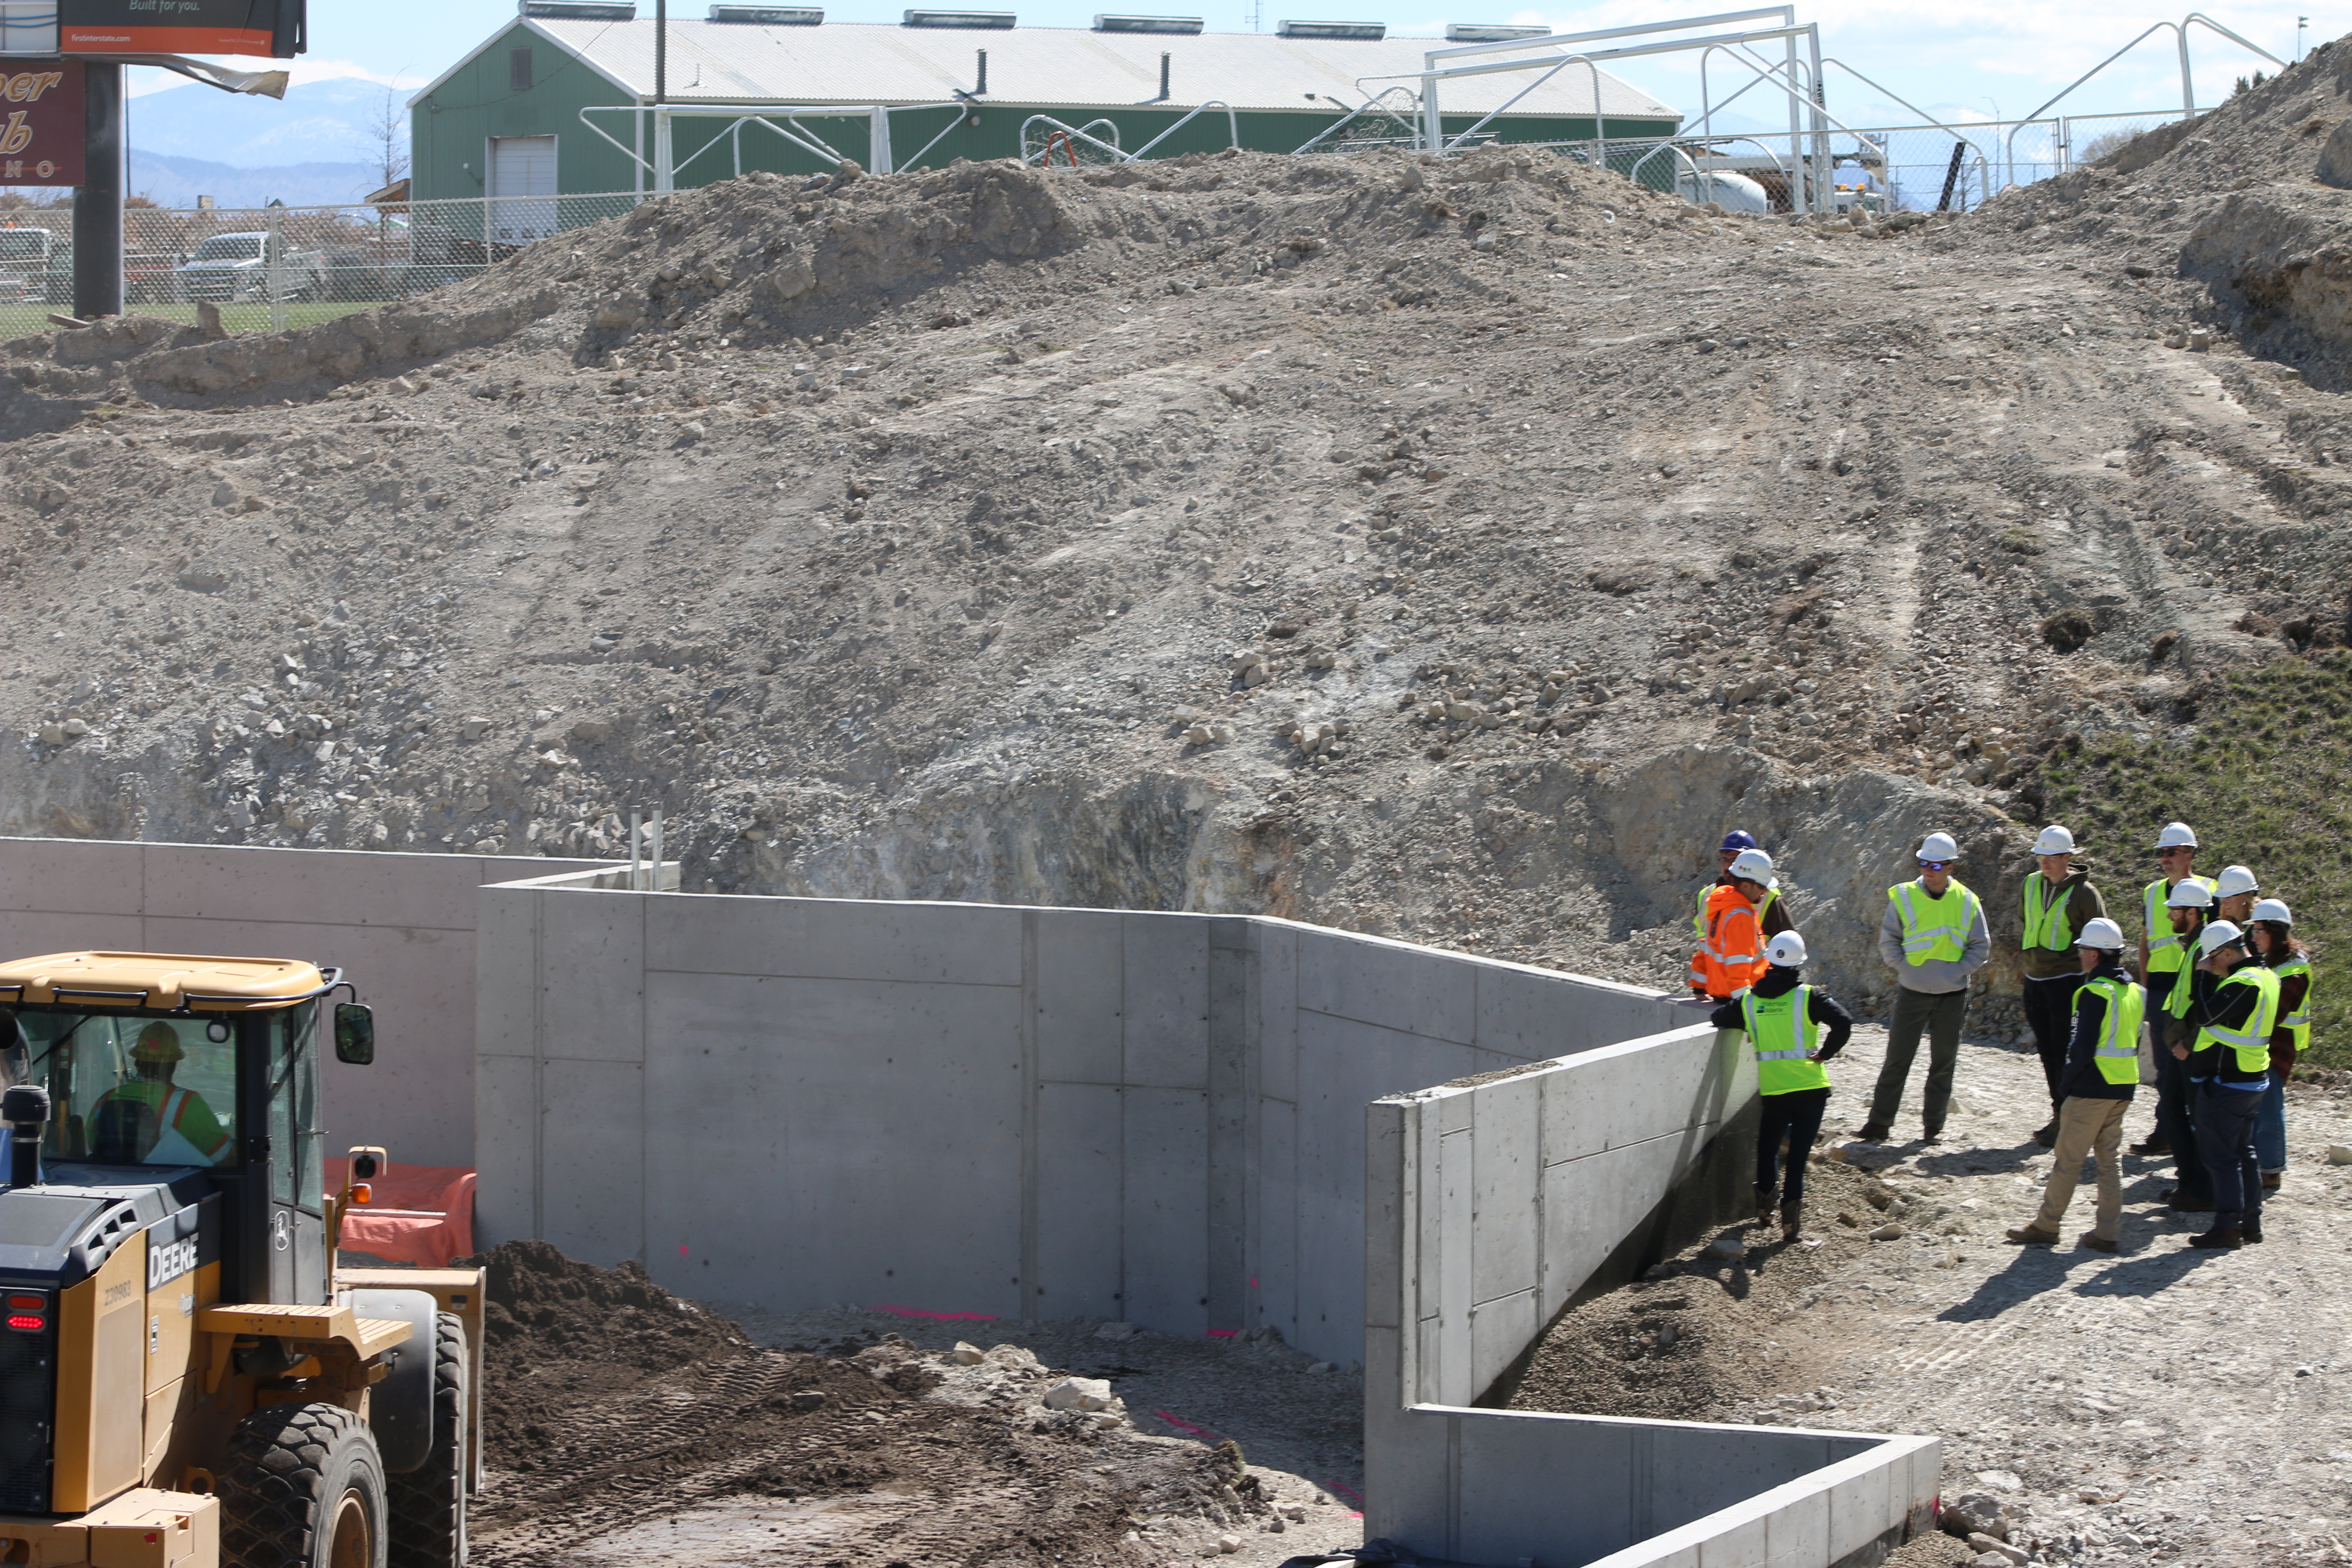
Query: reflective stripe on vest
[1698, 916]
[2253, 1043]
[1947, 935]
[2116, 1056]
[2181, 993]
[2047, 924]
[1782, 1031]
[2163, 942]
[2298, 1021]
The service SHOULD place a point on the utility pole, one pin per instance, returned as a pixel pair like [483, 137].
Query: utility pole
[661, 51]
[2300, 24]
[98, 200]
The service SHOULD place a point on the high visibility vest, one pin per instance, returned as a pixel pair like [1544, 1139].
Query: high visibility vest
[2047, 923]
[2299, 1021]
[2253, 1043]
[1932, 927]
[2163, 944]
[1782, 1031]
[1731, 951]
[2116, 1056]
[2180, 991]
[1698, 915]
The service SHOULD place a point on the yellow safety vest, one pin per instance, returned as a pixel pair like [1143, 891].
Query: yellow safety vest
[2163, 945]
[2116, 1056]
[2252, 1043]
[2299, 1021]
[1782, 1031]
[1934, 927]
[2177, 997]
[2047, 924]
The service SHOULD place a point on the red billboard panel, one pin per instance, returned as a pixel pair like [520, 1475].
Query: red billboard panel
[179, 26]
[41, 128]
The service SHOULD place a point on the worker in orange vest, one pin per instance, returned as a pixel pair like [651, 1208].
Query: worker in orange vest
[1730, 957]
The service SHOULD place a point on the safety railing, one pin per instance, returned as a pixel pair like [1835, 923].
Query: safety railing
[1046, 140]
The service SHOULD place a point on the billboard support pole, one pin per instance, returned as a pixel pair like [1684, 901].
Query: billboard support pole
[98, 201]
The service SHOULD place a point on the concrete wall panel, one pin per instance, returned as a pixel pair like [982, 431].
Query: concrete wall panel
[1165, 971]
[1164, 1223]
[592, 1006]
[1080, 1002]
[1411, 990]
[62, 876]
[1078, 1202]
[940, 944]
[506, 1149]
[592, 1137]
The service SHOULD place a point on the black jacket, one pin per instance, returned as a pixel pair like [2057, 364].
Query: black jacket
[2215, 1005]
[2081, 1079]
[1820, 1006]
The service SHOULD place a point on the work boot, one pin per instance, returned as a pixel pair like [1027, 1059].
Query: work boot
[2251, 1230]
[2191, 1202]
[1931, 1136]
[1792, 1221]
[2096, 1242]
[1873, 1132]
[2154, 1143]
[2031, 1234]
[2046, 1136]
[2219, 1240]
[1767, 1198]
[2271, 1180]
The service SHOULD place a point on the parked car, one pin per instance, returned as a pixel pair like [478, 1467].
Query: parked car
[354, 275]
[152, 278]
[239, 267]
[36, 264]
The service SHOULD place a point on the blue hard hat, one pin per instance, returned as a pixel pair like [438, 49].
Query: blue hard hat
[1738, 838]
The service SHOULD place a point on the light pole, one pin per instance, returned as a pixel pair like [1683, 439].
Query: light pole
[2300, 24]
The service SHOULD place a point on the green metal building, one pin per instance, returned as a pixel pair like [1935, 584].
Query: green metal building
[560, 103]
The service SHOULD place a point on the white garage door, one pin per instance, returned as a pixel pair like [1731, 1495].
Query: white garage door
[522, 188]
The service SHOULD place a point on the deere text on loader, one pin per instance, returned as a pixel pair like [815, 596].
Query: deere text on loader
[186, 1380]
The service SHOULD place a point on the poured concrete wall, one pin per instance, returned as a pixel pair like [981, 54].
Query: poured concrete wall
[1491, 1206]
[1021, 1112]
[401, 926]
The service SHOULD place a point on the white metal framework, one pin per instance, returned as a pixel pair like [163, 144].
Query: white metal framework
[2181, 39]
[783, 120]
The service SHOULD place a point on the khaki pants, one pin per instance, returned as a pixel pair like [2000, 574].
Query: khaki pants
[2087, 1127]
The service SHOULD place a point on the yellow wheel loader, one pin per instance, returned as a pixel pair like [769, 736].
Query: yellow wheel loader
[187, 1379]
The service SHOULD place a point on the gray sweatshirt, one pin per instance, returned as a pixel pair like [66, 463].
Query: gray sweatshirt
[1937, 976]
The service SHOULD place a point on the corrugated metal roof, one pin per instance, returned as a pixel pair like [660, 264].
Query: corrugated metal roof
[852, 62]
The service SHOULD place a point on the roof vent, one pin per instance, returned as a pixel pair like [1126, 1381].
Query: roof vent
[1489, 33]
[1374, 31]
[582, 10]
[767, 15]
[959, 19]
[1146, 23]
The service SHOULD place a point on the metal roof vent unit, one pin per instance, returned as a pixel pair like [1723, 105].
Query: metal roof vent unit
[1371, 31]
[582, 10]
[1489, 32]
[959, 19]
[767, 15]
[1146, 23]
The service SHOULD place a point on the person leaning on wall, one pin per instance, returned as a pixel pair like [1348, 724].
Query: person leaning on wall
[1784, 1020]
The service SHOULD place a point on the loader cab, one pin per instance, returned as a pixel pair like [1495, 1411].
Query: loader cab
[197, 1076]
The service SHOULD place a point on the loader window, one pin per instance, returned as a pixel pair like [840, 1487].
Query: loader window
[296, 1174]
[127, 1091]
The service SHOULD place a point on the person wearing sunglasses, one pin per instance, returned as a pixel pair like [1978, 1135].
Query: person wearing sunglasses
[1934, 937]
[2160, 956]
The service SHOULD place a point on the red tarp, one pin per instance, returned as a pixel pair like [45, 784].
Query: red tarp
[418, 1214]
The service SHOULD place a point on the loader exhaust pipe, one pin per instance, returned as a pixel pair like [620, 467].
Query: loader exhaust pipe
[26, 1109]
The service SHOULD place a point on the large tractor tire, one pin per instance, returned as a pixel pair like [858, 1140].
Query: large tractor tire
[304, 1487]
[428, 1504]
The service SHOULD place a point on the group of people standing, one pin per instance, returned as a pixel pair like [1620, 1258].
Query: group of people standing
[2213, 1013]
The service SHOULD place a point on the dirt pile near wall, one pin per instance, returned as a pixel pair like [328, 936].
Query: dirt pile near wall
[1448, 549]
[613, 1406]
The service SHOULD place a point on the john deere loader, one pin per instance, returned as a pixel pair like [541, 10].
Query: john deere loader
[186, 1380]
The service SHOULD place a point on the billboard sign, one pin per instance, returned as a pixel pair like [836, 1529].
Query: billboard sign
[266, 28]
[41, 128]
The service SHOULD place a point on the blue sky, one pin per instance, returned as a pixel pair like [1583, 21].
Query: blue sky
[1960, 61]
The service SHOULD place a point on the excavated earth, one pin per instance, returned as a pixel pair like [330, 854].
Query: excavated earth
[1446, 549]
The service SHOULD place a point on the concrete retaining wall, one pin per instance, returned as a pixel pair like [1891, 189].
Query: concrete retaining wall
[1491, 1206]
[1021, 1112]
[401, 926]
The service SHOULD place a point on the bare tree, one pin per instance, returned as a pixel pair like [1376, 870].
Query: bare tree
[385, 131]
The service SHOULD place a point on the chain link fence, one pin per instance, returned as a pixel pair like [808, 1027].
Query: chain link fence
[265, 268]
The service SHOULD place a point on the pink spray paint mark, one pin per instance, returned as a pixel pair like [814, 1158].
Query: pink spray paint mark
[1222, 1333]
[1253, 1281]
[1181, 1425]
[935, 1317]
[681, 1249]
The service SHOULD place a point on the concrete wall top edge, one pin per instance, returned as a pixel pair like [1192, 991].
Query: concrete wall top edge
[1585, 981]
[1556, 1064]
[362, 855]
[1729, 1429]
[1667, 1546]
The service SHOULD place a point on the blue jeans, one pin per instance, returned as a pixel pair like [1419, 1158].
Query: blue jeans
[2225, 1138]
[2270, 1127]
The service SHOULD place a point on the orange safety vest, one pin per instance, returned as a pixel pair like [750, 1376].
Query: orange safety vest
[1730, 957]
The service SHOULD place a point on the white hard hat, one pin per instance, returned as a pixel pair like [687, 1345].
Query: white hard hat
[2177, 836]
[2188, 893]
[1787, 950]
[2055, 840]
[2273, 910]
[2221, 933]
[1754, 866]
[1938, 847]
[2233, 881]
[2102, 933]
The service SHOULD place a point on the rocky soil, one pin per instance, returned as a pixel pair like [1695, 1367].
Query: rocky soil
[1450, 550]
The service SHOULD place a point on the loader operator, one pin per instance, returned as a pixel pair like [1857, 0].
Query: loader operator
[150, 1120]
